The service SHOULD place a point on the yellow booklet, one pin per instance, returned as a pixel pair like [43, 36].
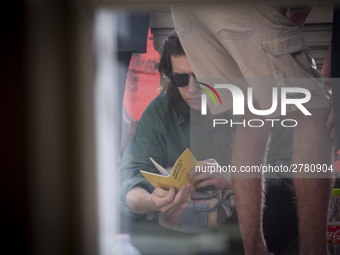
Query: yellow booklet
[178, 176]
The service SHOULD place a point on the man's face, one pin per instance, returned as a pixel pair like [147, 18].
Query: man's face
[190, 93]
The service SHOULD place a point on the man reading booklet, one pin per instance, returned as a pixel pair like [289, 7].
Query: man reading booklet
[171, 124]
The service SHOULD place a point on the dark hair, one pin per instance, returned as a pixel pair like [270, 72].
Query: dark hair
[172, 46]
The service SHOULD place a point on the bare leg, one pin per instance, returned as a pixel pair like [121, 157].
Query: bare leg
[250, 149]
[312, 145]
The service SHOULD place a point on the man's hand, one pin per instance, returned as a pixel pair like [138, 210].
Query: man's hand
[221, 181]
[167, 201]
[140, 201]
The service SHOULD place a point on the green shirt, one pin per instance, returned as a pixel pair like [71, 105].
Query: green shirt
[163, 134]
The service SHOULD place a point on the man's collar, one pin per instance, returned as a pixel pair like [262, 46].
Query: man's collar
[181, 119]
[196, 116]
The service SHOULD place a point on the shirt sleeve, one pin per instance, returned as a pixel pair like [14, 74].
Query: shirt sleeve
[148, 141]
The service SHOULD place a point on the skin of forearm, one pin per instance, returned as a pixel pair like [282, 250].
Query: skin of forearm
[139, 201]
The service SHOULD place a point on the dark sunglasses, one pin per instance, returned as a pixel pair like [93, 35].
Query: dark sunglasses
[181, 80]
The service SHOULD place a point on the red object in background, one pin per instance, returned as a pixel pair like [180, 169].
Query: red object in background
[143, 80]
[333, 234]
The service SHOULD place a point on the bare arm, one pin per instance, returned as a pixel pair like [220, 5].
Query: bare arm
[139, 201]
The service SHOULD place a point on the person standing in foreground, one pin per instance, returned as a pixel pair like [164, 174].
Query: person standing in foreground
[248, 44]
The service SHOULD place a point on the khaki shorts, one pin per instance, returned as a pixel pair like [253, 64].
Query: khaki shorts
[248, 47]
